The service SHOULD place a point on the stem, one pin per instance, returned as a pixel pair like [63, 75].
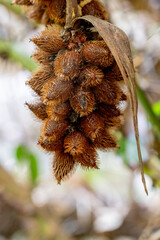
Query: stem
[147, 106]
[71, 13]
[16, 55]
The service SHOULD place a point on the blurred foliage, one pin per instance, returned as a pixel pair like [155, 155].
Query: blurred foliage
[148, 109]
[122, 150]
[156, 108]
[16, 54]
[9, 6]
[24, 155]
[152, 169]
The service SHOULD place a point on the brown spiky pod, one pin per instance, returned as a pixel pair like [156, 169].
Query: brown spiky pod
[82, 101]
[50, 144]
[111, 114]
[40, 77]
[67, 64]
[92, 125]
[108, 92]
[37, 13]
[97, 53]
[113, 73]
[75, 143]
[105, 142]
[108, 110]
[90, 76]
[39, 109]
[88, 159]
[42, 57]
[55, 129]
[63, 165]
[59, 112]
[45, 11]
[54, 11]
[94, 8]
[80, 88]
[57, 91]
[50, 39]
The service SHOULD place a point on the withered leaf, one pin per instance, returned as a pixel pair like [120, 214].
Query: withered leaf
[118, 43]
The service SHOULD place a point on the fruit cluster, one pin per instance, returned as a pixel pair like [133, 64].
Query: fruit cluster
[78, 83]
[54, 11]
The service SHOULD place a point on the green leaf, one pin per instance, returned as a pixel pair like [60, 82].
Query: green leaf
[122, 150]
[21, 153]
[148, 109]
[33, 168]
[156, 108]
[122, 143]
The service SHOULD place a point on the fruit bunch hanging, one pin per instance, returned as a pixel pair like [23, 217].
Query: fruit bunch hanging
[79, 84]
[54, 11]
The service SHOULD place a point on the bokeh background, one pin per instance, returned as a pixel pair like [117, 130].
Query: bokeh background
[104, 204]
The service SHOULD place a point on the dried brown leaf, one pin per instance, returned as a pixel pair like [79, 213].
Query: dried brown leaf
[118, 43]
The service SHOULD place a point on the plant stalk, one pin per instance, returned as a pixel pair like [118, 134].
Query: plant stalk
[71, 13]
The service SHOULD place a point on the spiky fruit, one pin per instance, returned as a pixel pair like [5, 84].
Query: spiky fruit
[67, 64]
[39, 109]
[90, 76]
[82, 101]
[87, 159]
[55, 129]
[54, 11]
[92, 125]
[94, 8]
[40, 77]
[50, 144]
[106, 141]
[75, 143]
[97, 53]
[50, 39]
[59, 112]
[108, 92]
[63, 165]
[57, 91]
